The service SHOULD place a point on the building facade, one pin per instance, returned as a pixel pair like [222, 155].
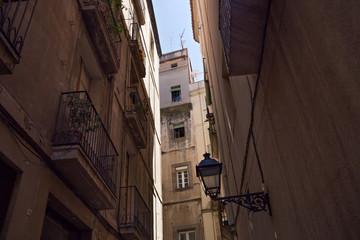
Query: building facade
[79, 120]
[187, 213]
[283, 80]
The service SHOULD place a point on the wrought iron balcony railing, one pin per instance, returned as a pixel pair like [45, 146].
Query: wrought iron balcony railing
[78, 123]
[136, 39]
[137, 49]
[134, 32]
[15, 19]
[136, 105]
[134, 212]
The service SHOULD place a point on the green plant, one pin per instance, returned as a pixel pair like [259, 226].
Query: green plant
[81, 114]
[115, 25]
[146, 107]
[118, 4]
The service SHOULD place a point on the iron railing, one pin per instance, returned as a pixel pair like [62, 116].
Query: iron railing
[224, 25]
[78, 123]
[136, 105]
[15, 19]
[134, 211]
[134, 32]
[113, 26]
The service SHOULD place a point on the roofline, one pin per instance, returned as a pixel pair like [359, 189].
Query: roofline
[196, 38]
[177, 57]
[154, 26]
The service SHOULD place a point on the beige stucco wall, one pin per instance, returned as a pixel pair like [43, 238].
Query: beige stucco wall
[182, 210]
[179, 75]
[185, 209]
[50, 63]
[305, 127]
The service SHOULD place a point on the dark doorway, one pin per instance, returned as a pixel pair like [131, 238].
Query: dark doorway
[7, 181]
[55, 227]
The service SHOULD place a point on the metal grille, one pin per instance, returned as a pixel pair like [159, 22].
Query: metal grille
[135, 105]
[134, 32]
[78, 123]
[134, 211]
[15, 19]
[224, 25]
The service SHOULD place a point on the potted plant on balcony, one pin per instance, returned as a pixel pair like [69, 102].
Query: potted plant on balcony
[81, 117]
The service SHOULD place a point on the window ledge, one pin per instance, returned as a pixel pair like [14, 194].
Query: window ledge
[179, 138]
[183, 189]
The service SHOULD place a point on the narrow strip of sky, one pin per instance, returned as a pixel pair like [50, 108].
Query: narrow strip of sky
[172, 18]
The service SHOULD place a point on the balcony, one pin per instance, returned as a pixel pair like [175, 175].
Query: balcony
[242, 27]
[83, 151]
[135, 217]
[136, 117]
[104, 32]
[15, 19]
[137, 50]
[140, 11]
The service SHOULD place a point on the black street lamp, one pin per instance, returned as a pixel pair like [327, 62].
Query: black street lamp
[209, 172]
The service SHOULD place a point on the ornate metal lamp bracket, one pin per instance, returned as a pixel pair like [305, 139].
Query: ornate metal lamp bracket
[255, 202]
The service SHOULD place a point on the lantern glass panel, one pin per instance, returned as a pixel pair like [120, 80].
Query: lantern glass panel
[210, 170]
[211, 181]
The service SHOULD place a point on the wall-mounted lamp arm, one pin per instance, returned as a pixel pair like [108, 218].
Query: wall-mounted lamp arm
[255, 202]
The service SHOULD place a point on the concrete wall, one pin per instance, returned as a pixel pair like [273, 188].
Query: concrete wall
[304, 120]
[181, 209]
[151, 83]
[179, 75]
[210, 216]
[54, 52]
[187, 208]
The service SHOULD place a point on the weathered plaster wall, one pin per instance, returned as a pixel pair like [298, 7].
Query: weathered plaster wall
[57, 45]
[305, 120]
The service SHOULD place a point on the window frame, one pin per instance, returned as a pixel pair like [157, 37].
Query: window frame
[182, 177]
[178, 131]
[178, 167]
[175, 93]
[187, 234]
[187, 228]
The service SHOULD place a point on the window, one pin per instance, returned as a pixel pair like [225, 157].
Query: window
[60, 223]
[179, 131]
[182, 177]
[176, 93]
[7, 182]
[57, 227]
[188, 235]
[174, 65]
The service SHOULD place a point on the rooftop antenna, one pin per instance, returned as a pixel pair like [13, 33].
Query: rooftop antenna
[171, 38]
[182, 41]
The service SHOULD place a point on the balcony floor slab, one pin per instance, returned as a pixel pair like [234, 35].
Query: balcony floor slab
[73, 164]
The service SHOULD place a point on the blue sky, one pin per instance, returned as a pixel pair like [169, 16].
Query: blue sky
[172, 17]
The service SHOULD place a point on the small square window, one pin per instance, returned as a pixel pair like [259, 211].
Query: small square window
[179, 131]
[174, 65]
[176, 93]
